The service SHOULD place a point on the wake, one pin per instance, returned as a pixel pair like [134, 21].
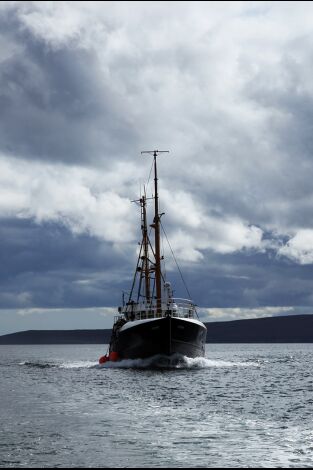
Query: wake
[174, 362]
[155, 362]
[63, 365]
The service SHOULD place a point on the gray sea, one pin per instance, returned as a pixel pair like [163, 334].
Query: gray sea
[241, 406]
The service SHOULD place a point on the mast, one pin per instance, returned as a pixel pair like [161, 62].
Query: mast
[146, 269]
[156, 226]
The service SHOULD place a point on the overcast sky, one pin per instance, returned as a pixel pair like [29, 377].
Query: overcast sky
[226, 87]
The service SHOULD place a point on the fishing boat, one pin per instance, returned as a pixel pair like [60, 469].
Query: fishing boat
[152, 322]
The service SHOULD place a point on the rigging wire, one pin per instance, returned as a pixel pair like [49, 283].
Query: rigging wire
[174, 257]
[135, 275]
[163, 256]
[150, 174]
[179, 270]
[162, 251]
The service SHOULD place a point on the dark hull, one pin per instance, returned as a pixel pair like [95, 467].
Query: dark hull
[164, 336]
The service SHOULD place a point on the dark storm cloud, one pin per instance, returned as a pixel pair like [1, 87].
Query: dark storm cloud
[248, 281]
[90, 84]
[283, 90]
[55, 104]
[46, 266]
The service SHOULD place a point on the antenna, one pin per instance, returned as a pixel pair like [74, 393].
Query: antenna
[155, 153]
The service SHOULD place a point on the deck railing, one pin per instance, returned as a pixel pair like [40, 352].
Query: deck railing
[178, 308]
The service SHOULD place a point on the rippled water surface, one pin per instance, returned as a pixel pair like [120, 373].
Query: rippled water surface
[242, 406]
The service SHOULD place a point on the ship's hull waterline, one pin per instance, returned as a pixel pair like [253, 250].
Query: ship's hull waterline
[165, 336]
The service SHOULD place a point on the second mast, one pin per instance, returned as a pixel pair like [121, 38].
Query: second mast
[156, 226]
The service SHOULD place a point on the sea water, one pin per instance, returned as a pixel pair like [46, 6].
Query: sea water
[241, 406]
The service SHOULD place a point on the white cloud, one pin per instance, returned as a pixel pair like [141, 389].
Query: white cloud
[107, 312]
[194, 231]
[22, 319]
[84, 200]
[229, 314]
[225, 86]
[207, 80]
[90, 202]
[299, 248]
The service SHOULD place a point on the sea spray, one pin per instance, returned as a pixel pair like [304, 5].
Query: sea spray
[173, 362]
[155, 362]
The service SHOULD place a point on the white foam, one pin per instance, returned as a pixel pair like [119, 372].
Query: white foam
[176, 362]
[78, 365]
[64, 365]
[203, 362]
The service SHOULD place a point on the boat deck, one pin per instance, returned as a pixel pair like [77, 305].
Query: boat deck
[177, 308]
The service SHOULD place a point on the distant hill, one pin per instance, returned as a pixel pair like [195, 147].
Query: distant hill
[58, 337]
[286, 329]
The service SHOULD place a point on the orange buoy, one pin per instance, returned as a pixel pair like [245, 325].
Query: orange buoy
[103, 359]
[113, 356]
